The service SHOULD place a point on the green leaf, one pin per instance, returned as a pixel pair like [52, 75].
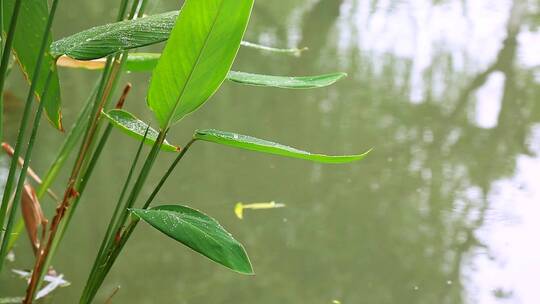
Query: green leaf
[104, 40]
[292, 51]
[26, 45]
[142, 62]
[135, 128]
[199, 232]
[286, 82]
[260, 145]
[108, 39]
[197, 57]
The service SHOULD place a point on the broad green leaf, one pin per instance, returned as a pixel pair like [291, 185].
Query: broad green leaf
[108, 39]
[260, 145]
[104, 40]
[286, 82]
[199, 232]
[26, 44]
[136, 128]
[200, 51]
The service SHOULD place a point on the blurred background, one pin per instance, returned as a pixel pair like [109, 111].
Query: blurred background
[444, 210]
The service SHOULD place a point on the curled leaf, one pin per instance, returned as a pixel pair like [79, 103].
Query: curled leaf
[68, 62]
[33, 216]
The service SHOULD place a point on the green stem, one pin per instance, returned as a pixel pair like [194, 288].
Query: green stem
[96, 278]
[58, 225]
[122, 10]
[44, 259]
[24, 120]
[111, 228]
[167, 174]
[74, 134]
[22, 174]
[67, 147]
[6, 54]
[109, 234]
[3, 69]
[107, 262]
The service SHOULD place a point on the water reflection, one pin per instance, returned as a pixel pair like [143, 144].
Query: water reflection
[447, 93]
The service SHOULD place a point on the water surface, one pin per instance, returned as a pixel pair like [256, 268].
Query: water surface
[445, 209]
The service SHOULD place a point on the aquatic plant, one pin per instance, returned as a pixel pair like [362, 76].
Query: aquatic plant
[202, 41]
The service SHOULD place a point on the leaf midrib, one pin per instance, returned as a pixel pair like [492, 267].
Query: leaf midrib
[184, 217]
[177, 103]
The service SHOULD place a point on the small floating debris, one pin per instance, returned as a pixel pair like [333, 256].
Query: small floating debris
[239, 207]
[336, 302]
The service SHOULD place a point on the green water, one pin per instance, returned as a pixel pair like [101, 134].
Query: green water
[445, 209]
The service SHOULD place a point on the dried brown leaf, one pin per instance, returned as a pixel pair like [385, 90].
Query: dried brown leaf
[68, 62]
[33, 216]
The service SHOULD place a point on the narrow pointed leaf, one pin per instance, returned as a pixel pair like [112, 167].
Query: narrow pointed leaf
[260, 145]
[285, 82]
[104, 40]
[140, 62]
[26, 44]
[135, 128]
[292, 51]
[199, 232]
[144, 62]
[200, 51]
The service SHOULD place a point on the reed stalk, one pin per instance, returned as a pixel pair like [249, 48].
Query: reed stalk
[22, 130]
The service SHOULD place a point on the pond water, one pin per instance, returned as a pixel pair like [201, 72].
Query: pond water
[444, 210]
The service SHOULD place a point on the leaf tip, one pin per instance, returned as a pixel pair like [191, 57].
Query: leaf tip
[59, 123]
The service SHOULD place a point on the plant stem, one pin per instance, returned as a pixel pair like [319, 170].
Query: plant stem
[116, 247]
[58, 225]
[111, 227]
[75, 133]
[95, 157]
[96, 278]
[22, 174]
[109, 77]
[168, 173]
[3, 69]
[72, 137]
[6, 54]
[24, 121]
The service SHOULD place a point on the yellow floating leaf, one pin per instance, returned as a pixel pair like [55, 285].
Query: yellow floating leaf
[239, 207]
